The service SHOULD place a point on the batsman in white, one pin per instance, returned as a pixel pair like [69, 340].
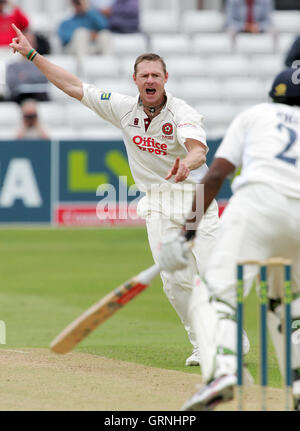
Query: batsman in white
[261, 220]
[166, 147]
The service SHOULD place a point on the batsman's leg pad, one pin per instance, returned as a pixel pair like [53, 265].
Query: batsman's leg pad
[275, 325]
[225, 339]
[204, 320]
[295, 311]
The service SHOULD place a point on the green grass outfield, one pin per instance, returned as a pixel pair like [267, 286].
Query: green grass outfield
[50, 276]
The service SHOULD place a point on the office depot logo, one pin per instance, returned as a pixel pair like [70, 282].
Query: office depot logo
[150, 145]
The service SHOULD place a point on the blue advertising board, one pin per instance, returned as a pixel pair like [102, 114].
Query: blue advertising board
[37, 178]
[25, 181]
[84, 165]
[225, 191]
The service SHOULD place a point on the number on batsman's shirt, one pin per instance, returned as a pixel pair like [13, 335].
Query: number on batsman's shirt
[265, 141]
[151, 150]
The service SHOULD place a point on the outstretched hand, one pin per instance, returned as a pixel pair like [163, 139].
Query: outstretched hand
[179, 169]
[20, 43]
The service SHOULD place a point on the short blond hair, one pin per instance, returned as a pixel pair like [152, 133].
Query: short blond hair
[149, 57]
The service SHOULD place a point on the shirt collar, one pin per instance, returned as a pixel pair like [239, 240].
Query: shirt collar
[169, 99]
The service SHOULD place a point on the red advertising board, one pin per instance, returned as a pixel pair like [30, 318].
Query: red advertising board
[91, 215]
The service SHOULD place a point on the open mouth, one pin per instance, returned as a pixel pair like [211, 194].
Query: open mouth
[150, 91]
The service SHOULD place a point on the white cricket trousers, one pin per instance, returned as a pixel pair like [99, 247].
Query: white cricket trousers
[257, 224]
[160, 222]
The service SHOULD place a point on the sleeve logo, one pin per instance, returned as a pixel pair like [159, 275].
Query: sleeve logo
[105, 96]
[167, 129]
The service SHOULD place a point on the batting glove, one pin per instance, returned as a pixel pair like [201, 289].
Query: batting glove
[174, 253]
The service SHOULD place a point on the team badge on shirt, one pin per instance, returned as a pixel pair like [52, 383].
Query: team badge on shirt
[167, 129]
[105, 96]
[135, 123]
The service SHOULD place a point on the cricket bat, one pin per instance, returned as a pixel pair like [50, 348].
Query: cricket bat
[98, 313]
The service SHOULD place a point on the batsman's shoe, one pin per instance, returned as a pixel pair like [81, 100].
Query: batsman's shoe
[218, 391]
[194, 359]
[297, 404]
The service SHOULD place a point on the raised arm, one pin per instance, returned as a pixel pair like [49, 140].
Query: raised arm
[61, 78]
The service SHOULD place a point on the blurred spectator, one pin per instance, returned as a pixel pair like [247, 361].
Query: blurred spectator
[124, 16]
[293, 53]
[31, 127]
[41, 43]
[250, 16]
[103, 5]
[85, 32]
[23, 78]
[10, 14]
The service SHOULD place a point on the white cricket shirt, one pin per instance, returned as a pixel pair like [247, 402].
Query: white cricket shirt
[151, 153]
[265, 141]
